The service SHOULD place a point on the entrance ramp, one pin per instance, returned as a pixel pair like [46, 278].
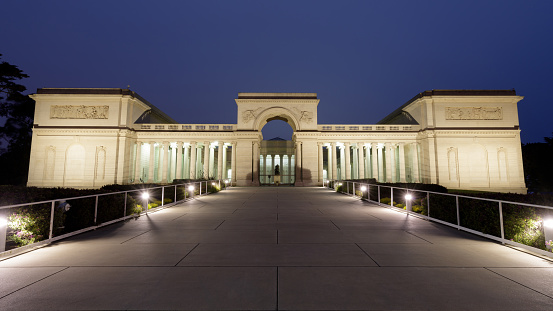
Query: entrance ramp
[282, 248]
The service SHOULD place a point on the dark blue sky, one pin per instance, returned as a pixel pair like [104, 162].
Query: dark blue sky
[363, 58]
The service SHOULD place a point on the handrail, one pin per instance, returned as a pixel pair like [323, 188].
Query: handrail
[51, 238]
[548, 233]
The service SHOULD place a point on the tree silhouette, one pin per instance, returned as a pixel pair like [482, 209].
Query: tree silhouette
[15, 136]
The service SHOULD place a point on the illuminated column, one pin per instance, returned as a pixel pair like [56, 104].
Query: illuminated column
[280, 161]
[165, 160]
[374, 158]
[255, 175]
[355, 162]
[361, 161]
[178, 175]
[342, 163]
[220, 160]
[138, 167]
[263, 166]
[415, 162]
[206, 160]
[289, 168]
[402, 162]
[347, 163]
[379, 149]
[393, 162]
[186, 162]
[192, 160]
[224, 166]
[151, 167]
[298, 161]
[334, 161]
[233, 162]
[320, 145]
[388, 154]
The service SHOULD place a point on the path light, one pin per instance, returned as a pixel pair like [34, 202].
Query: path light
[408, 198]
[213, 183]
[145, 197]
[548, 231]
[363, 188]
[191, 188]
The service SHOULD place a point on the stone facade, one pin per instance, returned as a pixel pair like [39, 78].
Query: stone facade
[461, 139]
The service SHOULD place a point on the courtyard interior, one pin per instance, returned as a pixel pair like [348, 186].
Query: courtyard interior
[276, 248]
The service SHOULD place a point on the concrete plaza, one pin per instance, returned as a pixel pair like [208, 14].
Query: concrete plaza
[269, 248]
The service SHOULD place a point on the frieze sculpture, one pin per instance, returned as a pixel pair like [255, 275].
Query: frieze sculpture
[79, 112]
[473, 113]
[304, 116]
[249, 115]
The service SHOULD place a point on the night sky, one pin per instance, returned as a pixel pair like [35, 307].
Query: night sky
[363, 58]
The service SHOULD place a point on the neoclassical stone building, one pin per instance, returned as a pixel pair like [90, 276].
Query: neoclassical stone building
[461, 139]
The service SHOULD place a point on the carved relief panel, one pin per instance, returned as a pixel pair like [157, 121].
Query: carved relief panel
[79, 112]
[473, 113]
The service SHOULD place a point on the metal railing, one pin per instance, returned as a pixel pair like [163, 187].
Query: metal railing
[50, 218]
[459, 211]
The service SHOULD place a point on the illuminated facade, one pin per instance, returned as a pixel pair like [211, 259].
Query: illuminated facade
[461, 139]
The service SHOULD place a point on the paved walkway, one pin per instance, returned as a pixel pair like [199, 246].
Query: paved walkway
[276, 248]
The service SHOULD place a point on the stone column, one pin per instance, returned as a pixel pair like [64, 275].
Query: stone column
[289, 169]
[178, 175]
[255, 176]
[151, 167]
[206, 160]
[334, 161]
[342, 163]
[320, 145]
[355, 163]
[347, 166]
[138, 167]
[361, 162]
[387, 154]
[165, 159]
[280, 161]
[402, 169]
[298, 161]
[415, 163]
[380, 163]
[220, 160]
[186, 162]
[263, 168]
[393, 162]
[192, 160]
[224, 167]
[374, 158]
[233, 162]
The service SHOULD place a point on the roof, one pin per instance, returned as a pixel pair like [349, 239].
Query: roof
[105, 91]
[399, 110]
[277, 95]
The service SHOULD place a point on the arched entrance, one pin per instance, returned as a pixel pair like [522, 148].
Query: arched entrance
[277, 151]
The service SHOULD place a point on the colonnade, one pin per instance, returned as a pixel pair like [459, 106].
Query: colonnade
[383, 161]
[156, 162]
[267, 165]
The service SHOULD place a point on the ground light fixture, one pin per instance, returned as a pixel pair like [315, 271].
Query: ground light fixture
[408, 198]
[145, 196]
[213, 183]
[363, 188]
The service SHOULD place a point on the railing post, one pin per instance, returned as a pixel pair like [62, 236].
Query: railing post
[353, 188]
[175, 200]
[200, 188]
[162, 195]
[458, 217]
[125, 208]
[52, 220]
[96, 210]
[378, 189]
[347, 183]
[392, 196]
[501, 222]
[428, 203]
